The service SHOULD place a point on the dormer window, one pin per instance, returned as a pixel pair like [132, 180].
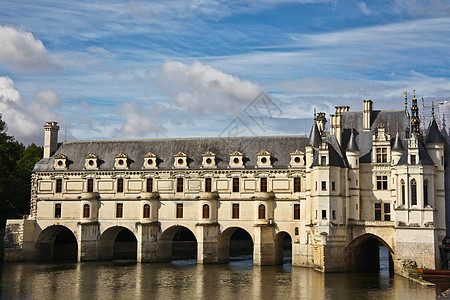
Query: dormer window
[121, 161]
[180, 160]
[264, 159]
[382, 155]
[236, 159]
[91, 162]
[297, 159]
[209, 160]
[150, 161]
[60, 162]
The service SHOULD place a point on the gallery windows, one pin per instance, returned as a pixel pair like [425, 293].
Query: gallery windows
[149, 185]
[235, 185]
[296, 211]
[205, 211]
[57, 210]
[261, 211]
[179, 210]
[235, 211]
[146, 214]
[208, 184]
[58, 186]
[297, 186]
[264, 184]
[179, 185]
[90, 185]
[86, 211]
[382, 183]
[119, 210]
[120, 185]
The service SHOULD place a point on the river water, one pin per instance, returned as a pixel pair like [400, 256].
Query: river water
[185, 279]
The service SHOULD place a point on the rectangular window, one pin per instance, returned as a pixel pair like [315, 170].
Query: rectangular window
[297, 184]
[382, 155]
[264, 184]
[382, 183]
[323, 160]
[58, 210]
[413, 159]
[58, 186]
[296, 211]
[90, 185]
[120, 185]
[387, 212]
[378, 211]
[333, 185]
[235, 185]
[149, 185]
[333, 214]
[119, 210]
[324, 185]
[208, 184]
[324, 214]
[179, 185]
[235, 213]
[179, 210]
[316, 185]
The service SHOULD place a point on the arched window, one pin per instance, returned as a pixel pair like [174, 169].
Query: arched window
[403, 191]
[261, 211]
[146, 211]
[205, 213]
[413, 192]
[425, 193]
[86, 211]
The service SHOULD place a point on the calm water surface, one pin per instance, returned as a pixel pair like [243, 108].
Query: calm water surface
[187, 280]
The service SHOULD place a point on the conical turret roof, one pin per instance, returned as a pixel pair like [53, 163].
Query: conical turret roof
[434, 135]
[314, 137]
[352, 146]
[398, 145]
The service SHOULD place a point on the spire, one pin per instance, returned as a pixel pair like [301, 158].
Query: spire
[398, 145]
[352, 145]
[406, 100]
[415, 121]
[434, 135]
[314, 137]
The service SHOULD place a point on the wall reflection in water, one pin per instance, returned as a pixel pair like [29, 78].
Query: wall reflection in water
[187, 280]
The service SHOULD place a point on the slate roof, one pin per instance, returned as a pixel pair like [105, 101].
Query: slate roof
[393, 120]
[398, 144]
[424, 157]
[164, 149]
[433, 134]
[352, 145]
[314, 136]
[337, 157]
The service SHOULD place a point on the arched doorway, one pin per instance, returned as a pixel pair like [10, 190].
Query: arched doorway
[370, 253]
[57, 243]
[177, 243]
[235, 244]
[283, 248]
[117, 243]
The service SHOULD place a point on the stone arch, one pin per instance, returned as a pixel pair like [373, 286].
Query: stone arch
[117, 242]
[362, 253]
[174, 241]
[282, 239]
[224, 242]
[57, 242]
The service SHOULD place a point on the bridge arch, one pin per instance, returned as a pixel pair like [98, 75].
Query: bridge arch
[57, 242]
[177, 242]
[117, 242]
[234, 241]
[363, 253]
[283, 247]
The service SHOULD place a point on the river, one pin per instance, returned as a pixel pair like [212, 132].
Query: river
[185, 279]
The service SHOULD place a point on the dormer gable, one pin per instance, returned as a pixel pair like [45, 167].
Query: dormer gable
[121, 161]
[209, 160]
[180, 160]
[297, 159]
[60, 162]
[263, 160]
[150, 161]
[236, 159]
[91, 162]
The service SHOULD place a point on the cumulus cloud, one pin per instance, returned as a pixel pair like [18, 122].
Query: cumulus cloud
[139, 120]
[24, 51]
[202, 88]
[25, 117]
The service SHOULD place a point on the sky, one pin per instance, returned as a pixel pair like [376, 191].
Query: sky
[156, 69]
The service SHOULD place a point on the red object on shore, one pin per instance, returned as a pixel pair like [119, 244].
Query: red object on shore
[435, 274]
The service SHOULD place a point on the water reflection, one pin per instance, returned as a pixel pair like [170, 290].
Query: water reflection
[185, 279]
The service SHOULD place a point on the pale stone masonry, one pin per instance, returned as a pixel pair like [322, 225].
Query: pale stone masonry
[372, 178]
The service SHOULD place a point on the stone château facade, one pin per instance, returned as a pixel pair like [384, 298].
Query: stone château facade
[370, 179]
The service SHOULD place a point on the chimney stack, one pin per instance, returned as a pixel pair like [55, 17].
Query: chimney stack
[367, 111]
[321, 122]
[50, 138]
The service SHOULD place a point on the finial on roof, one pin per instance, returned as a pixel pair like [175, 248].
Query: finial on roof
[414, 93]
[406, 100]
[432, 108]
[314, 113]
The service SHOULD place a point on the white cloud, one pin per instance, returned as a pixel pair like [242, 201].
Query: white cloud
[363, 7]
[139, 120]
[25, 117]
[202, 88]
[24, 51]
[421, 7]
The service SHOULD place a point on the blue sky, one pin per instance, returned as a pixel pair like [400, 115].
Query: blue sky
[144, 69]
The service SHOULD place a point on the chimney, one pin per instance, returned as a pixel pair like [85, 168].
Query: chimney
[367, 111]
[336, 122]
[50, 138]
[321, 121]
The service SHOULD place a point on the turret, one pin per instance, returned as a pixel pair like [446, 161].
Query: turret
[352, 151]
[397, 149]
[50, 138]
